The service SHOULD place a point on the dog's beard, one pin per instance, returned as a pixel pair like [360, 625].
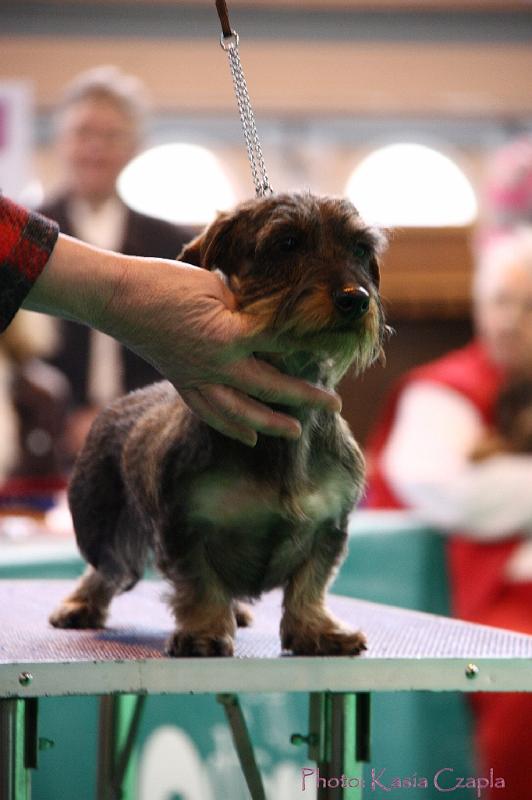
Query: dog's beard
[339, 353]
[327, 354]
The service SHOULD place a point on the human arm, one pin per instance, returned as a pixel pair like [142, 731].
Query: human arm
[179, 318]
[427, 464]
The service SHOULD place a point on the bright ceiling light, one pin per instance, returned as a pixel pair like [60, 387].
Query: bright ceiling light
[179, 182]
[412, 185]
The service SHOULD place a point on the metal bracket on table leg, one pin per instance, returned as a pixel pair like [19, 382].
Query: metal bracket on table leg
[339, 742]
[243, 745]
[18, 747]
[120, 717]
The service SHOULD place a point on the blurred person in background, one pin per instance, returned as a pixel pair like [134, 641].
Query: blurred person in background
[34, 398]
[423, 455]
[100, 125]
[506, 198]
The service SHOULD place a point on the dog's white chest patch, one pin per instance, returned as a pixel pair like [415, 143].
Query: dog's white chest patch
[231, 501]
[225, 500]
[325, 502]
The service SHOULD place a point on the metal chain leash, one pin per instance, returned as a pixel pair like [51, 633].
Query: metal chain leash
[229, 42]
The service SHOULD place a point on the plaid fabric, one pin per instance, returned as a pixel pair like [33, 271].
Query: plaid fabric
[26, 241]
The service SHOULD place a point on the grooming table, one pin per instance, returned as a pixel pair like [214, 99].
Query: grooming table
[407, 651]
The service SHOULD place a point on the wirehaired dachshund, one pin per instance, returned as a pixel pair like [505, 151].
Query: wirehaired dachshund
[227, 522]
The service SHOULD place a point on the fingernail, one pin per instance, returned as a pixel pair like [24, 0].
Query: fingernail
[295, 432]
[250, 440]
[336, 403]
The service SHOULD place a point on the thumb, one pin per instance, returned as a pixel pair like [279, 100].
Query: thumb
[254, 335]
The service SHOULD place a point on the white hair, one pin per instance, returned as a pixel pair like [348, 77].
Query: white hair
[512, 249]
[109, 82]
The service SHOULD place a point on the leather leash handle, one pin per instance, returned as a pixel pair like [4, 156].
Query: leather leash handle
[221, 8]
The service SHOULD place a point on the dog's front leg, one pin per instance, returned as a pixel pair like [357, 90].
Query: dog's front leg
[205, 619]
[307, 627]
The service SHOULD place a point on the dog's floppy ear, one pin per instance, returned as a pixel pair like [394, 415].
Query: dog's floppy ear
[380, 242]
[192, 252]
[375, 271]
[213, 248]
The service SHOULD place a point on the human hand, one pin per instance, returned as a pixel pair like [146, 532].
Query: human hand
[182, 320]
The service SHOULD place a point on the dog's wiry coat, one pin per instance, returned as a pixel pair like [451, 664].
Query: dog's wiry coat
[227, 522]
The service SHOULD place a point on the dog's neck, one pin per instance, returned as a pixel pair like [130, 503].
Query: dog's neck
[297, 466]
[291, 466]
[316, 423]
[303, 365]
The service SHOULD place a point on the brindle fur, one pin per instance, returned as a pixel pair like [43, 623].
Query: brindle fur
[227, 522]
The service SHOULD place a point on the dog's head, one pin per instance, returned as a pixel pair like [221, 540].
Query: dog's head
[307, 268]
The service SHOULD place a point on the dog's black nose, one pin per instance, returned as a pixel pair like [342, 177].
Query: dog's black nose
[352, 303]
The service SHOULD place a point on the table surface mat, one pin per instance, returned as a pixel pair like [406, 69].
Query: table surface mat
[140, 622]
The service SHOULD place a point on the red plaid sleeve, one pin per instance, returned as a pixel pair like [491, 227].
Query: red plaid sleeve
[26, 241]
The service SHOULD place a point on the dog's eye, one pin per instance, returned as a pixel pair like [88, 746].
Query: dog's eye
[287, 243]
[361, 251]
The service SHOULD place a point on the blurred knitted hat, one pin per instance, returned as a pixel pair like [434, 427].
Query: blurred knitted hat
[506, 200]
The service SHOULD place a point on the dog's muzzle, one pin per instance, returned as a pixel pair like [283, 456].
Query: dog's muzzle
[352, 303]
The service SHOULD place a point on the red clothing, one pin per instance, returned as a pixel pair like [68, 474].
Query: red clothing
[470, 373]
[26, 241]
[479, 589]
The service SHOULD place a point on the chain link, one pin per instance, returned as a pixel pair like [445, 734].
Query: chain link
[247, 118]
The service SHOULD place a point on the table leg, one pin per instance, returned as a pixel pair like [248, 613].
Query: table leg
[243, 745]
[120, 717]
[18, 747]
[339, 743]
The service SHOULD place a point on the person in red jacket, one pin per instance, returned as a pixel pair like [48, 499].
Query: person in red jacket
[179, 318]
[420, 457]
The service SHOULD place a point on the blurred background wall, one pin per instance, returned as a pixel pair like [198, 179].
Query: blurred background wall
[331, 82]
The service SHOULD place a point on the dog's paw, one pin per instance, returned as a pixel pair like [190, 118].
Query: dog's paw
[183, 645]
[243, 614]
[77, 615]
[330, 642]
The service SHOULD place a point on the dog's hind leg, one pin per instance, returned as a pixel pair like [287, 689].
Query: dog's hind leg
[111, 536]
[118, 570]
[87, 606]
[243, 614]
